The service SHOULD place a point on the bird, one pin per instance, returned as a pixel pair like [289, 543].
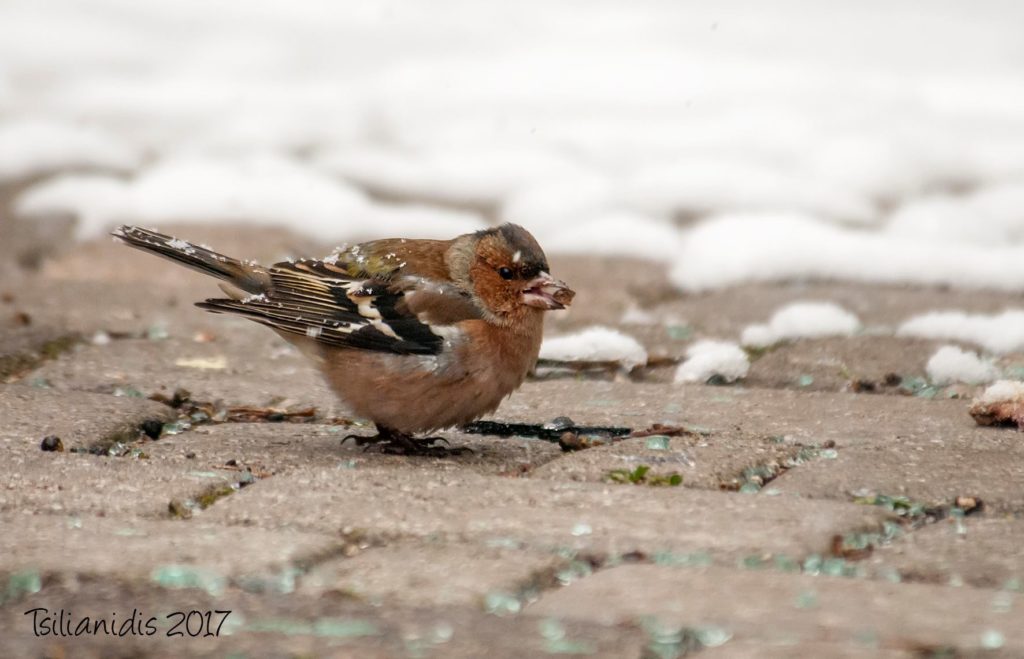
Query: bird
[415, 335]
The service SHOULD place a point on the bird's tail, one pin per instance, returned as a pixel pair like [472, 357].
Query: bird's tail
[248, 277]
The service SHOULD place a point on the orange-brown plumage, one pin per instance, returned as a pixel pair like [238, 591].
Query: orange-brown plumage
[415, 335]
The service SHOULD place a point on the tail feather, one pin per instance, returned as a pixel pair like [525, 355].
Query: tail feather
[248, 277]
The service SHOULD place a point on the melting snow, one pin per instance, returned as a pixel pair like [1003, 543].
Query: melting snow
[801, 320]
[1002, 391]
[732, 249]
[950, 364]
[597, 344]
[624, 234]
[706, 359]
[998, 333]
[634, 129]
[262, 189]
[33, 146]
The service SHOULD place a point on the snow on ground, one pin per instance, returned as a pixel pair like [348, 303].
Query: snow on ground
[595, 344]
[950, 364]
[991, 216]
[258, 190]
[609, 234]
[998, 333]
[733, 249]
[800, 320]
[1002, 391]
[707, 359]
[851, 139]
[31, 146]
[481, 176]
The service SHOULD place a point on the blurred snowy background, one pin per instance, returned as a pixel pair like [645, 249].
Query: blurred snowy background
[878, 140]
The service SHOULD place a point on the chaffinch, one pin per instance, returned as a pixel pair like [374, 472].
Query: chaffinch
[415, 335]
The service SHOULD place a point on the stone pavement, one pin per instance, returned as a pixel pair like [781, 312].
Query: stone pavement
[787, 517]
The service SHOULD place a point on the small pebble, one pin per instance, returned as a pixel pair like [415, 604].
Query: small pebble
[657, 442]
[52, 443]
[559, 423]
[190, 455]
[231, 463]
[152, 428]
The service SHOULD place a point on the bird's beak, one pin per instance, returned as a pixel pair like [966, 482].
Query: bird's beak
[546, 292]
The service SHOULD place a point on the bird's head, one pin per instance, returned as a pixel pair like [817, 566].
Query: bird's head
[507, 271]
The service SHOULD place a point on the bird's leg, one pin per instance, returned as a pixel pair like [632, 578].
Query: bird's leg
[398, 443]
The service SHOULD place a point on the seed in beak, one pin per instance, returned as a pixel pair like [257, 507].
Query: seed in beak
[546, 292]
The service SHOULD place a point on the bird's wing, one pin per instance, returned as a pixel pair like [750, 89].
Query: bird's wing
[321, 300]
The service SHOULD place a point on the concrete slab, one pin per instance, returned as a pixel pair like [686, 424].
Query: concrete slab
[930, 473]
[268, 624]
[434, 574]
[225, 370]
[298, 447]
[80, 419]
[985, 551]
[421, 502]
[713, 462]
[930, 450]
[60, 546]
[774, 608]
[836, 364]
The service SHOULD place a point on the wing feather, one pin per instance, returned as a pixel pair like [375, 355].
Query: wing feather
[314, 299]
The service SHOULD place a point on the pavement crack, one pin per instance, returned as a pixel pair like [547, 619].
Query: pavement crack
[195, 412]
[16, 365]
[186, 508]
[755, 477]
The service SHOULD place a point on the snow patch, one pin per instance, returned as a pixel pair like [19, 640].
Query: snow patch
[706, 359]
[801, 320]
[1003, 391]
[262, 190]
[699, 186]
[998, 333]
[613, 234]
[595, 344]
[33, 146]
[733, 249]
[482, 176]
[950, 364]
[993, 215]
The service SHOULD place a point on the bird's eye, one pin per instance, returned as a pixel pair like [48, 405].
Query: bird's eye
[505, 273]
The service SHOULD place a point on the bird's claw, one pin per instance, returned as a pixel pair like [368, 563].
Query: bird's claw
[395, 444]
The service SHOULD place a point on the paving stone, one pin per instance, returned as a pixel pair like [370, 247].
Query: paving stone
[757, 649]
[836, 364]
[979, 550]
[26, 243]
[138, 549]
[930, 472]
[713, 463]
[930, 450]
[776, 608]
[726, 312]
[80, 419]
[119, 309]
[24, 348]
[607, 519]
[295, 447]
[435, 574]
[84, 485]
[267, 624]
[223, 370]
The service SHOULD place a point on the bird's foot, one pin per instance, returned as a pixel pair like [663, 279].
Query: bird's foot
[395, 443]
